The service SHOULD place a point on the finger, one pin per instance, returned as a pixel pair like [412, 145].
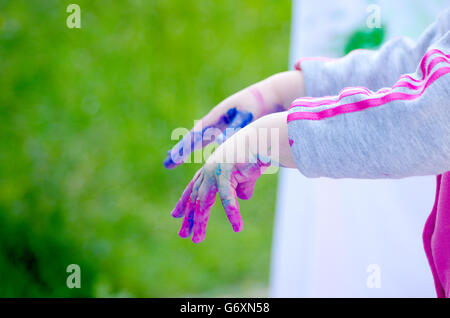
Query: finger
[180, 207]
[240, 120]
[244, 190]
[188, 221]
[196, 186]
[195, 138]
[229, 202]
[178, 154]
[205, 200]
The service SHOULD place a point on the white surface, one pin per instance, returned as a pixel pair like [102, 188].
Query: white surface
[327, 232]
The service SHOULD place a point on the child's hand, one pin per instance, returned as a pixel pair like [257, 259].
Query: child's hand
[271, 95]
[232, 180]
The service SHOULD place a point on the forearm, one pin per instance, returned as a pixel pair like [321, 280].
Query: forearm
[282, 88]
[273, 94]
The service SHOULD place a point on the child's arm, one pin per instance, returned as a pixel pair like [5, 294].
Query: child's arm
[322, 77]
[273, 94]
[395, 132]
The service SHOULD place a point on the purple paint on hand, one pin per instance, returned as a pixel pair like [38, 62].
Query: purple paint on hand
[179, 210]
[231, 181]
[188, 221]
[279, 108]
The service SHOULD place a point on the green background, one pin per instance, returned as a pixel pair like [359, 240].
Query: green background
[85, 122]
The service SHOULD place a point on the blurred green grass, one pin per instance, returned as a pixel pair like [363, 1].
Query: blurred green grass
[85, 122]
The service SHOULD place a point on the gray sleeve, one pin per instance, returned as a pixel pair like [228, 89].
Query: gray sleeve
[368, 68]
[395, 132]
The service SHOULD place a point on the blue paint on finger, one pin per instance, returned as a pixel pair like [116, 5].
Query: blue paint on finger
[233, 118]
[242, 119]
[191, 221]
[218, 170]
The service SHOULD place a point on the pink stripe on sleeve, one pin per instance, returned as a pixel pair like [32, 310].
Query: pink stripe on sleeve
[367, 103]
[301, 102]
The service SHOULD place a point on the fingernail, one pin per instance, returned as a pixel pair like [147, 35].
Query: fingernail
[238, 227]
[183, 233]
[175, 213]
[198, 238]
[169, 163]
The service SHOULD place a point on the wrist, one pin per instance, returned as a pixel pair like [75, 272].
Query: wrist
[266, 139]
[278, 150]
[288, 86]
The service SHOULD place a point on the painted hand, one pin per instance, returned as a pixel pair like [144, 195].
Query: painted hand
[233, 119]
[226, 118]
[231, 181]
[271, 95]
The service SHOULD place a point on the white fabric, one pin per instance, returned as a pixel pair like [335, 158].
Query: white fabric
[329, 234]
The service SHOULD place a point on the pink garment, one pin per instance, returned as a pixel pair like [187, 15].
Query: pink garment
[436, 237]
